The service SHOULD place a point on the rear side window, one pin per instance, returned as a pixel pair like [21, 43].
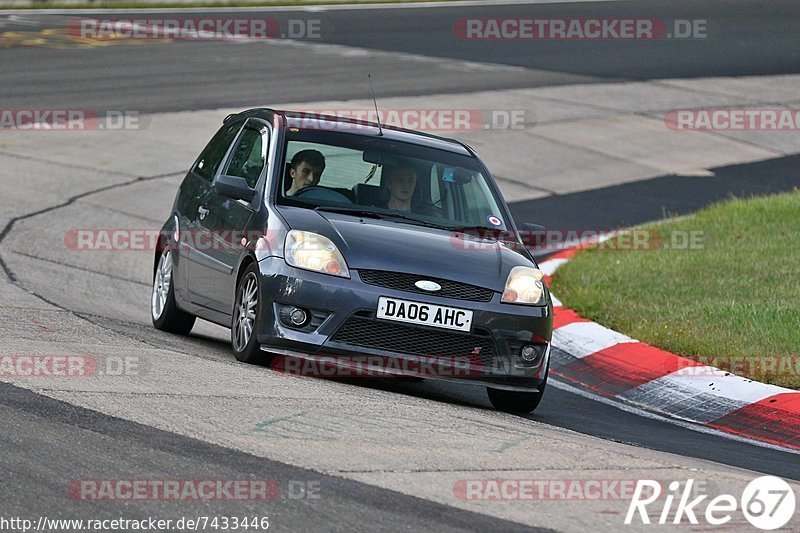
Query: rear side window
[247, 158]
[212, 155]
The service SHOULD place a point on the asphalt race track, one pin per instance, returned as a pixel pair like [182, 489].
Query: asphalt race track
[744, 38]
[385, 456]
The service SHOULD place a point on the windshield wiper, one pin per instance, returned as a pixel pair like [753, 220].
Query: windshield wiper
[415, 220]
[495, 234]
[348, 211]
[464, 229]
[356, 211]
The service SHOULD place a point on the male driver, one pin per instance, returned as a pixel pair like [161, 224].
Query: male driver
[305, 170]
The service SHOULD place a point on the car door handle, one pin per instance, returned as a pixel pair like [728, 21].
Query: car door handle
[202, 211]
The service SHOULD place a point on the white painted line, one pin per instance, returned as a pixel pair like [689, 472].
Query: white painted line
[580, 339]
[556, 301]
[16, 19]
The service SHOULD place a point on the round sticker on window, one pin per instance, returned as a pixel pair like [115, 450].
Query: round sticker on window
[494, 221]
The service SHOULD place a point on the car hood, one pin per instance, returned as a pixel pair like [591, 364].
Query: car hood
[375, 244]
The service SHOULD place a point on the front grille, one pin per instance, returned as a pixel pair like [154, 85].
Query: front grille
[414, 340]
[402, 281]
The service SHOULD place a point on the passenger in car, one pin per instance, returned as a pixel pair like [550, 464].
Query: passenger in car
[305, 170]
[400, 181]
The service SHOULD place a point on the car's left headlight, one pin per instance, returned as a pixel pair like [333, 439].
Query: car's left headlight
[524, 286]
[312, 251]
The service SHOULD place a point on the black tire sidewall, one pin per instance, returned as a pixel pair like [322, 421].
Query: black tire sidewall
[508, 401]
[172, 318]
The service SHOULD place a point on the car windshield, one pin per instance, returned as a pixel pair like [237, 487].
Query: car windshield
[382, 178]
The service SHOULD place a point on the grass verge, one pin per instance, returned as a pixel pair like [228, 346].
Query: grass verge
[731, 300]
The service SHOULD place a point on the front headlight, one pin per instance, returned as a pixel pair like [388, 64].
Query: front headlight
[524, 286]
[311, 251]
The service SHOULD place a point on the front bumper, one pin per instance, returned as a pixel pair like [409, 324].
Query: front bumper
[491, 350]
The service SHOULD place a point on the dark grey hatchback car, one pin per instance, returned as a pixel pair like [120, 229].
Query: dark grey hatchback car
[333, 241]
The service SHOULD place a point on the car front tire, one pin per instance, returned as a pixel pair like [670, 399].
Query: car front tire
[514, 401]
[245, 319]
[164, 310]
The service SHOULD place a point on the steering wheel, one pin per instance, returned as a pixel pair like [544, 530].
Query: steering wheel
[315, 192]
[428, 209]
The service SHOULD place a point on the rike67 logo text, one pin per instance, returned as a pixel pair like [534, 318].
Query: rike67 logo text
[767, 502]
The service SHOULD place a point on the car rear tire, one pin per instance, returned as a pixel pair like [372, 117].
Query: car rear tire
[514, 401]
[244, 321]
[164, 310]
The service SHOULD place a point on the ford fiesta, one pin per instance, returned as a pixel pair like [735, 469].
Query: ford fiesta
[321, 238]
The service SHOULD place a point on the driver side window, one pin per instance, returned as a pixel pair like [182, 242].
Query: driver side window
[210, 159]
[247, 157]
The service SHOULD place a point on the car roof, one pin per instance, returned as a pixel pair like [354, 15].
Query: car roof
[311, 120]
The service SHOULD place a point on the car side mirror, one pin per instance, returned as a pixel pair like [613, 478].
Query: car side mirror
[533, 236]
[234, 187]
[533, 227]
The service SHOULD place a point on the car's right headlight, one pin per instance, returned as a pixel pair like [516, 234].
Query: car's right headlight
[312, 251]
[524, 286]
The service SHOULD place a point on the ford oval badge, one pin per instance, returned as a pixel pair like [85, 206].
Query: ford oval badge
[426, 285]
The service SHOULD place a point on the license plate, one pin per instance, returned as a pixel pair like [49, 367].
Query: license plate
[437, 316]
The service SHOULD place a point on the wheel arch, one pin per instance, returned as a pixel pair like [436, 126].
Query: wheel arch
[246, 261]
[163, 240]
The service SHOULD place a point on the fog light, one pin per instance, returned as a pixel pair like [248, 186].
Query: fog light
[528, 353]
[298, 317]
[301, 318]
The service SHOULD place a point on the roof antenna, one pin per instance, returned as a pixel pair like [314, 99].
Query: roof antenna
[374, 101]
